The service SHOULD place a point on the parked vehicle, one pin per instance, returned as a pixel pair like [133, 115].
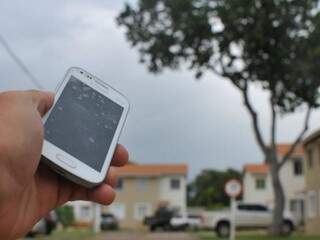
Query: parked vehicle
[160, 220]
[45, 226]
[248, 216]
[186, 221]
[109, 222]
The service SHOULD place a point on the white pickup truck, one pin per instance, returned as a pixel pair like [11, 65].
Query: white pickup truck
[248, 216]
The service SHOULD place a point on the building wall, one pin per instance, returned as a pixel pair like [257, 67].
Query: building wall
[176, 198]
[134, 193]
[293, 185]
[83, 211]
[148, 193]
[253, 195]
[294, 188]
[312, 219]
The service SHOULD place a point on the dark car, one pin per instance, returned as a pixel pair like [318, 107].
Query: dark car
[45, 226]
[109, 222]
[160, 220]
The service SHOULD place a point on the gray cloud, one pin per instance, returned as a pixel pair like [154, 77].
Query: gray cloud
[173, 119]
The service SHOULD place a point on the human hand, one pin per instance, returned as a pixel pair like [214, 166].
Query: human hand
[29, 189]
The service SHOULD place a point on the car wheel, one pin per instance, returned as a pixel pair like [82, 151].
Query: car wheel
[152, 228]
[185, 227]
[286, 228]
[30, 235]
[49, 230]
[115, 227]
[167, 228]
[223, 230]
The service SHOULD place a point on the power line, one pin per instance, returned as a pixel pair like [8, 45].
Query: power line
[20, 63]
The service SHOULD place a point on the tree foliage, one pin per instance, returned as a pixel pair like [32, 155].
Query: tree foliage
[207, 190]
[65, 215]
[274, 43]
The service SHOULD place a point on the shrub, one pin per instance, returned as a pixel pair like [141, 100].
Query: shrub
[65, 215]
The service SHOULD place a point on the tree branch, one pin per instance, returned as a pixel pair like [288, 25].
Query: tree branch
[273, 123]
[298, 140]
[244, 90]
[254, 117]
[230, 76]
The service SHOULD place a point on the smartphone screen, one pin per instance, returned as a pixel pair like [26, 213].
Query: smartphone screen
[83, 123]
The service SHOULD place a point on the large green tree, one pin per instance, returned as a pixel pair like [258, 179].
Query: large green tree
[271, 44]
[207, 189]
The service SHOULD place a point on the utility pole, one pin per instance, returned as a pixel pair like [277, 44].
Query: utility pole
[96, 217]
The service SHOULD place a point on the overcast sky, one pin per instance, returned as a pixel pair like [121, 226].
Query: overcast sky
[174, 118]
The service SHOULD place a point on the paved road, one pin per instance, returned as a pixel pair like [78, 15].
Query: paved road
[147, 236]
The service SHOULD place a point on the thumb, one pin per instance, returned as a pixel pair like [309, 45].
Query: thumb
[43, 100]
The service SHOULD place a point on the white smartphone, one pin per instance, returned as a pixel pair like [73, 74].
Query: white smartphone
[83, 127]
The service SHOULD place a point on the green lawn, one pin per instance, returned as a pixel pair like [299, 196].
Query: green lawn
[83, 234]
[69, 234]
[211, 236]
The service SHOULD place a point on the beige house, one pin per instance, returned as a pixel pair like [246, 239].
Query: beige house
[257, 182]
[143, 187]
[83, 212]
[140, 190]
[312, 166]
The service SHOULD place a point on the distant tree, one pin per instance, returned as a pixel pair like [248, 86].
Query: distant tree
[207, 190]
[271, 44]
[65, 215]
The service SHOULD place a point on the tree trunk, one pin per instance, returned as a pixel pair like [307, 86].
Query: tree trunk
[279, 197]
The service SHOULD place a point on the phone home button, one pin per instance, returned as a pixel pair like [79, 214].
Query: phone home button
[66, 161]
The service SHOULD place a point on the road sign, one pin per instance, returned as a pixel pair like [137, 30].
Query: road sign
[233, 188]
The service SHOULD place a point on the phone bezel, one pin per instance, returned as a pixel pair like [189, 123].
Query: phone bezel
[87, 175]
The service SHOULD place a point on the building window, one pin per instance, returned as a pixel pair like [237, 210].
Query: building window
[298, 167]
[175, 184]
[310, 157]
[118, 210]
[141, 210]
[84, 212]
[261, 183]
[141, 183]
[312, 204]
[297, 209]
[119, 185]
[294, 205]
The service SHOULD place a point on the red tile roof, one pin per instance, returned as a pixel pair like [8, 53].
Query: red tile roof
[312, 137]
[257, 168]
[152, 169]
[282, 149]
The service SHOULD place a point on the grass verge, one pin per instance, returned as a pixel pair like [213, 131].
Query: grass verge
[207, 235]
[69, 234]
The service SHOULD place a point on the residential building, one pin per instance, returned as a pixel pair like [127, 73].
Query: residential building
[142, 188]
[258, 187]
[83, 212]
[312, 176]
